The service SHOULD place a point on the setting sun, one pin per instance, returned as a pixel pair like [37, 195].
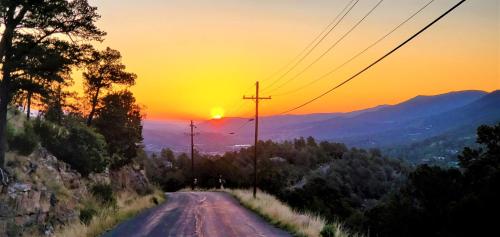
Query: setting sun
[217, 113]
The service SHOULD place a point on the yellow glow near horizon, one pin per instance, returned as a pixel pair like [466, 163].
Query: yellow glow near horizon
[190, 55]
[217, 113]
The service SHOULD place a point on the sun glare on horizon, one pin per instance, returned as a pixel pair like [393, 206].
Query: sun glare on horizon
[217, 113]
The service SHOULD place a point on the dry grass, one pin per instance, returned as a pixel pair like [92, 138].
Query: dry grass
[128, 205]
[279, 214]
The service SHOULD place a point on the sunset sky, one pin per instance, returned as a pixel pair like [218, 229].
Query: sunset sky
[194, 57]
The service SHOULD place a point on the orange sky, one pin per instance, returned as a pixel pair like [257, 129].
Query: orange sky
[192, 56]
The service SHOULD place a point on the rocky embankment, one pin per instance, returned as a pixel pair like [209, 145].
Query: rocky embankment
[42, 193]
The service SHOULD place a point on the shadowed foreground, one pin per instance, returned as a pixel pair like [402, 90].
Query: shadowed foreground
[197, 214]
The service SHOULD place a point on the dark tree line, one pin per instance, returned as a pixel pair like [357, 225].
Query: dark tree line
[447, 202]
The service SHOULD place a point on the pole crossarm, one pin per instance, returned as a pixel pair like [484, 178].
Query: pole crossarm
[255, 98]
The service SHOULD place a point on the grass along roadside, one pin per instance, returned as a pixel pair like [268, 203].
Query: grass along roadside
[128, 205]
[281, 215]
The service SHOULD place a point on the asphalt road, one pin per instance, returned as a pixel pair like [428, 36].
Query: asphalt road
[197, 214]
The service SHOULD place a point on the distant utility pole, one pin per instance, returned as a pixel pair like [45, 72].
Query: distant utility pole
[192, 155]
[256, 98]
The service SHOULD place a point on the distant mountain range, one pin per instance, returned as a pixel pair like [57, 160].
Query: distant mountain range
[414, 121]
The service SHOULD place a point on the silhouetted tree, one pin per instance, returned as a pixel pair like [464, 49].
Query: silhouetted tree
[447, 202]
[42, 21]
[56, 103]
[43, 65]
[119, 121]
[103, 70]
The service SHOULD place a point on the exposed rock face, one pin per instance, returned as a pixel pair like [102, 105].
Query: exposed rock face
[43, 192]
[100, 178]
[130, 177]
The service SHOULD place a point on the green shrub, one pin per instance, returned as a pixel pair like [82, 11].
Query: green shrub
[50, 134]
[26, 142]
[85, 150]
[81, 147]
[104, 194]
[10, 131]
[328, 230]
[87, 214]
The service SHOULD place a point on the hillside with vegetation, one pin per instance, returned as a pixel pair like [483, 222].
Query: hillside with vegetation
[367, 191]
[67, 159]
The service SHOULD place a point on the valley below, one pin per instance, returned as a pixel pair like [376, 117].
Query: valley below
[424, 129]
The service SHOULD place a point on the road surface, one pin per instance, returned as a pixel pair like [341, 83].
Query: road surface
[202, 214]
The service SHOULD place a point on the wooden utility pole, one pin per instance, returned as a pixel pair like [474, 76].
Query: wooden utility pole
[192, 154]
[256, 98]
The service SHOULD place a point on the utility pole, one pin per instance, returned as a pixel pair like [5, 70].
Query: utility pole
[192, 155]
[256, 98]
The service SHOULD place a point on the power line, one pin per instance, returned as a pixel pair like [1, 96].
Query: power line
[358, 54]
[235, 109]
[317, 43]
[237, 105]
[378, 60]
[329, 49]
[242, 126]
[312, 42]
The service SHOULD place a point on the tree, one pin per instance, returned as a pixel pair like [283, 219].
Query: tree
[167, 154]
[43, 65]
[103, 71]
[55, 103]
[43, 21]
[119, 120]
[299, 143]
[311, 142]
[482, 162]
[447, 202]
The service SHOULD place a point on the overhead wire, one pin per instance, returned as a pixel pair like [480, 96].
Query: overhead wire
[307, 50]
[242, 126]
[328, 50]
[344, 13]
[237, 105]
[376, 61]
[359, 53]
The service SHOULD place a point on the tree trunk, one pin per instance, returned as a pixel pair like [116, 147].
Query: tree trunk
[28, 105]
[11, 22]
[58, 105]
[6, 40]
[92, 110]
[6, 52]
[4, 102]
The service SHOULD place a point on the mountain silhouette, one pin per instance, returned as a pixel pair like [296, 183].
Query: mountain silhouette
[414, 120]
